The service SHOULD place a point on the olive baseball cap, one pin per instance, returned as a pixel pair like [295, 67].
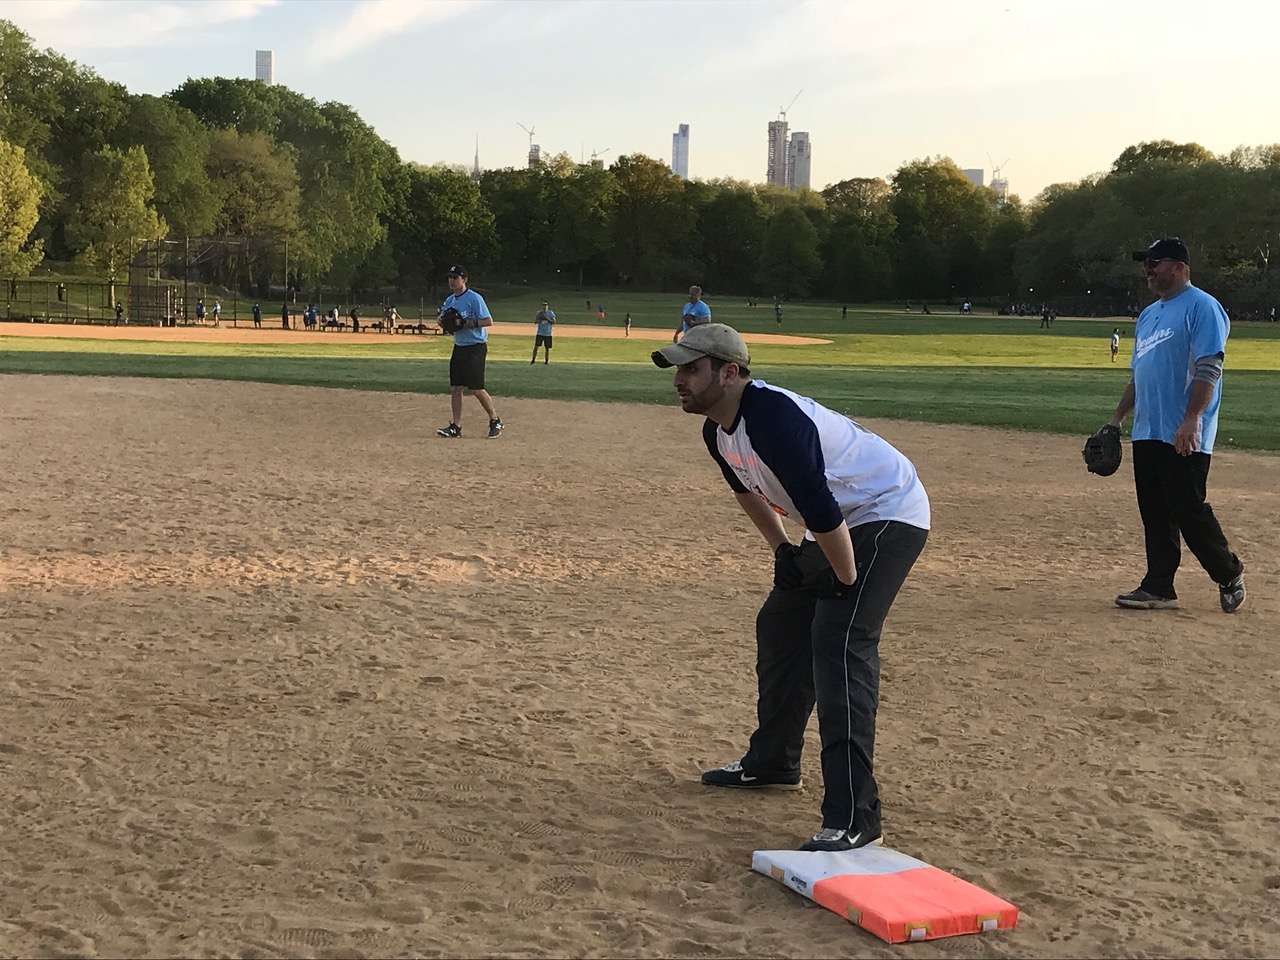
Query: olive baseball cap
[705, 340]
[1166, 248]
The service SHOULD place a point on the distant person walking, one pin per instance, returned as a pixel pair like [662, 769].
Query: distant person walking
[284, 315]
[200, 311]
[257, 315]
[777, 313]
[693, 313]
[1115, 344]
[217, 313]
[626, 325]
[546, 321]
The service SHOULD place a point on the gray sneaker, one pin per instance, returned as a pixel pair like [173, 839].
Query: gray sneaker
[1142, 600]
[1231, 594]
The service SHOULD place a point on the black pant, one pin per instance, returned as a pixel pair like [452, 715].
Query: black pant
[1171, 499]
[826, 651]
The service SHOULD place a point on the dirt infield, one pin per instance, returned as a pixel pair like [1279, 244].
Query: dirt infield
[267, 334]
[279, 684]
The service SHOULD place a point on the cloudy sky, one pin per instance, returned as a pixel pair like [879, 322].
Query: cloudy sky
[1051, 91]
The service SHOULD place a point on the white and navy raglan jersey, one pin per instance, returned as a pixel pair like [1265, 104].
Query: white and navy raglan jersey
[814, 465]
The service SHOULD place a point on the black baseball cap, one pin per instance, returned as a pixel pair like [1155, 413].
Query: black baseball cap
[1166, 248]
[458, 271]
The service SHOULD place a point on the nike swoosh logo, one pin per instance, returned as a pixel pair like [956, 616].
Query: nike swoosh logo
[746, 779]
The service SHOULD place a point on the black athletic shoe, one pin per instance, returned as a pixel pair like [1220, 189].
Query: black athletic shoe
[1142, 600]
[732, 775]
[1231, 594]
[452, 430]
[833, 839]
[495, 429]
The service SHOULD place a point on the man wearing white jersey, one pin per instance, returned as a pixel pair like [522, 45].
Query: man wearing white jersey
[866, 516]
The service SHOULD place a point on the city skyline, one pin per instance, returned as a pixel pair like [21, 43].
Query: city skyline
[1060, 98]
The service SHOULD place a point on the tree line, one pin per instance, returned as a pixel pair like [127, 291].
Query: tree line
[88, 171]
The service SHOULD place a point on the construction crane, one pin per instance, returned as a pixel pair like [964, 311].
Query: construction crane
[782, 114]
[995, 170]
[528, 130]
[598, 153]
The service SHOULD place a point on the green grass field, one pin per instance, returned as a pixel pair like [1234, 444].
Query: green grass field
[993, 371]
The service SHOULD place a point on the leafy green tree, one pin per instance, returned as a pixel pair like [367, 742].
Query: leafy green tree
[19, 211]
[258, 182]
[921, 269]
[59, 113]
[115, 214]
[867, 196]
[789, 260]
[444, 220]
[935, 200]
[856, 255]
[731, 225]
[652, 223]
[578, 197]
[519, 207]
[346, 172]
[1159, 151]
[177, 145]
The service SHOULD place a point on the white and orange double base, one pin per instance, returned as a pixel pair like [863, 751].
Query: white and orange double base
[894, 896]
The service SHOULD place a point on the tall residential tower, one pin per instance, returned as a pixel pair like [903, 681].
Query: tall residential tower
[680, 152]
[265, 67]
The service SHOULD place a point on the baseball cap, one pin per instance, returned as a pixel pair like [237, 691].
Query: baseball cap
[1166, 248]
[706, 340]
[457, 271]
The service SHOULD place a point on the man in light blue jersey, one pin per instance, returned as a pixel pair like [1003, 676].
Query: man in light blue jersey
[546, 321]
[692, 314]
[470, 351]
[866, 519]
[1179, 345]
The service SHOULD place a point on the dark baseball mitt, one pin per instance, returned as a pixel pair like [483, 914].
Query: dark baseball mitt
[451, 320]
[1102, 452]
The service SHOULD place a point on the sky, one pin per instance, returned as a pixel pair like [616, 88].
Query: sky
[1048, 91]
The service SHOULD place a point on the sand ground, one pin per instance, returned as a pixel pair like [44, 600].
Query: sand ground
[285, 676]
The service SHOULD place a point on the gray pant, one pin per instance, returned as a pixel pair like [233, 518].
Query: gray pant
[825, 651]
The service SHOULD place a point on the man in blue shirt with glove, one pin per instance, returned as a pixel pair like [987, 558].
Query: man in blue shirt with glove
[470, 351]
[1178, 348]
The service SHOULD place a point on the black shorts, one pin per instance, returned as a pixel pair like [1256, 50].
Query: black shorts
[541, 340]
[466, 365]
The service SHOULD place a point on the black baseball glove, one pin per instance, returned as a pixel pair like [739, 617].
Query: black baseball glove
[786, 567]
[451, 320]
[1102, 452]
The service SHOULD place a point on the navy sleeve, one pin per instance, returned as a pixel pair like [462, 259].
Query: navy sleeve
[787, 442]
[709, 428]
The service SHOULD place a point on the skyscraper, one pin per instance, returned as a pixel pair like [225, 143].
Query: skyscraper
[680, 152]
[777, 171]
[976, 176]
[799, 151]
[265, 67]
